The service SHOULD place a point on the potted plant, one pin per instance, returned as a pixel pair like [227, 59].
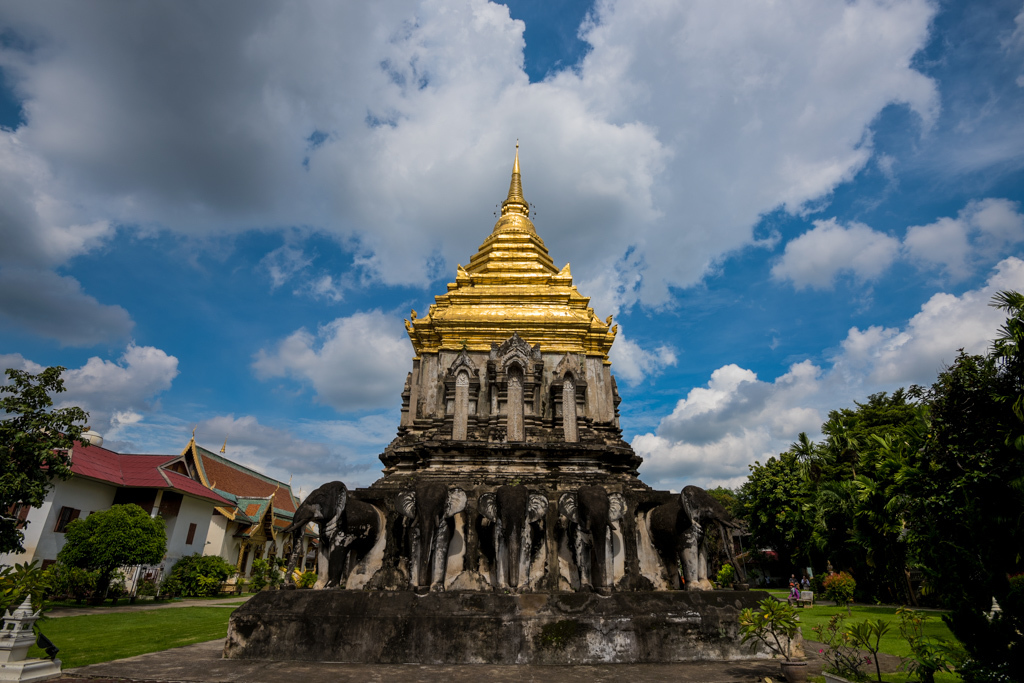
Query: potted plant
[775, 626]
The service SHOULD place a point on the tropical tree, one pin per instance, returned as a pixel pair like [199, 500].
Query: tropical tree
[124, 535]
[34, 442]
[965, 493]
[772, 502]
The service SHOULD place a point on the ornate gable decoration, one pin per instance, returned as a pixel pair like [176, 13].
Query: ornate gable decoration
[570, 363]
[515, 348]
[463, 361]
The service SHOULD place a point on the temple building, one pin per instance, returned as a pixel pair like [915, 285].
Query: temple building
[512, 357]
[510, 506]
[248, 527]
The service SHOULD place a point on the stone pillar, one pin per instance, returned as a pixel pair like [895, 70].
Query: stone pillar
[569, 410]
[516, 432]
[461, 407]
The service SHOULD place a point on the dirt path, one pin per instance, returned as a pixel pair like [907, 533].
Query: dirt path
[144, 606]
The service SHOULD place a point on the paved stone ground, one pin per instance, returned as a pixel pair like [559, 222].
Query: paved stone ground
[202, 663]
[144, 606]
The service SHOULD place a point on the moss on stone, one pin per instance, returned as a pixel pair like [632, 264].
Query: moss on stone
[555, 635]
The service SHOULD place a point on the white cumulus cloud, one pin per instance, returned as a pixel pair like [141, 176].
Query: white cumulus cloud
[978, 234]
[354, 363]
[115, 394]
[634, 363]
[817, 257]
[390, 125]
[717, 430]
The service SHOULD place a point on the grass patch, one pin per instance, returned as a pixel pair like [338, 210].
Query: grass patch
[94, 638]
[892, 642]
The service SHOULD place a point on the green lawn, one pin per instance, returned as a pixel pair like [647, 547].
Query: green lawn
[93, 638]
[892, 642]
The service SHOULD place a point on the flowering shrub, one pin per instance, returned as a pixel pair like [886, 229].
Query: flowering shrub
[927, 655]
[840, 652]
[726, 574]
[839, 588]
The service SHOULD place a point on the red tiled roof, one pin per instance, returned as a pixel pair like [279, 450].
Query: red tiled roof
[252, 509]
[137, 471]
[192, 487]
[245, 484]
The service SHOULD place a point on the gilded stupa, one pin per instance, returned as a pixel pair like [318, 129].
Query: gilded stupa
[511, 376]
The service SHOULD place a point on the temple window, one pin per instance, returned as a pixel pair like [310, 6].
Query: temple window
[461, 416]
[569, 409]
[516, 432]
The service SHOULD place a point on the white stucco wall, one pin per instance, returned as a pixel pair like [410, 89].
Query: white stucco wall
[41, 542]
[217, 536]
[193, 511]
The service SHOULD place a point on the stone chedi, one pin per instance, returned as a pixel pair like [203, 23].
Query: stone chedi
[510, 506]
[512, 356]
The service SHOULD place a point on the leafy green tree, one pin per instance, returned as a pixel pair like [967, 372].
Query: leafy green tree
[857, 519]
[124, 535]
[727, 497]
[966, 503]
[772, 501]
[21, 581]
[34, 443]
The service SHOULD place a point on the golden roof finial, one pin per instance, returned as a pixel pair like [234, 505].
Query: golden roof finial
[224, 448]
[515, 203]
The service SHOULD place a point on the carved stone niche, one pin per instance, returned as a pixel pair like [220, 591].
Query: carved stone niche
[514, 372]
[462, 392]
[569, 396]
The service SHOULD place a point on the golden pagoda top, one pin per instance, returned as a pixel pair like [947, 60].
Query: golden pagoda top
[512, 285]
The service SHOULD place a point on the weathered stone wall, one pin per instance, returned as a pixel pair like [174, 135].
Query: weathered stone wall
[428, 409]
[470, 627]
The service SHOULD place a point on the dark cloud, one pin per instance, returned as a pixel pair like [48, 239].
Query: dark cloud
[55, 306]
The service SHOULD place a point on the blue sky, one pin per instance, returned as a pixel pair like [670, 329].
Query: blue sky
[217, 218]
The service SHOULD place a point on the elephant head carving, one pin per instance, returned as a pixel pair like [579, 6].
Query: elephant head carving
[512, 509]
[430, 508]
[347, 528]
[592, 512]
[678, 530]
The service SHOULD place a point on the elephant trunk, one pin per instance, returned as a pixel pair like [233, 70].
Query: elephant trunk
[601, 552]
[425, 559]
[514, 541]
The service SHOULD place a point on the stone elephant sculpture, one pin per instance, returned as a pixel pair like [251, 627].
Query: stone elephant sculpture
[430, 508]
[592, 513]
[347, 528]
[512, 509]
[678, 532]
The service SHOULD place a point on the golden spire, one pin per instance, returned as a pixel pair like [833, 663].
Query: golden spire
[224, 448]
[515, 210]
[511, 285]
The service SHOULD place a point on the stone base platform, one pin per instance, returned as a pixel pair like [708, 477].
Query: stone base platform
[459, 627]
